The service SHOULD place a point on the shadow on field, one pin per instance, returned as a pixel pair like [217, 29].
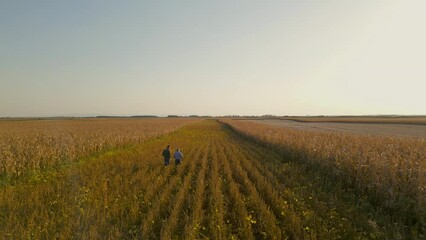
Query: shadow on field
[338, 192]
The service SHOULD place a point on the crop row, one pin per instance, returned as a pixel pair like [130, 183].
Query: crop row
[388, 171]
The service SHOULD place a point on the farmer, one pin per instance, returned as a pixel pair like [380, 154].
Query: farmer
[166, 155]
[178, 156]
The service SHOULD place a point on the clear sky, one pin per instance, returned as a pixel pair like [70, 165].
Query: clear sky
[86, 57]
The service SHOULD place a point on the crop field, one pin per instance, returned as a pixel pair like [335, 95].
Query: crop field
[365, 128]
[37, 145]
[388, 171]
[238, 180]
[413, 120]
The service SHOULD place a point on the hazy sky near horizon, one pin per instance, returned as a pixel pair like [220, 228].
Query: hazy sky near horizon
[212, 57]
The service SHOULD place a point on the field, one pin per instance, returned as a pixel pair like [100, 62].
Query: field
[420, 120]
[239, 180]
[388, 171]
[367, 127]
[37, 145]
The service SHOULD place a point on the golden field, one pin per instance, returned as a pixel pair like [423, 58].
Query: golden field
[388, 171]
[41, 144]
[239, 180]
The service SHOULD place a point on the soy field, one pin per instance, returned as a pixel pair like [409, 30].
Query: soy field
[233, 183]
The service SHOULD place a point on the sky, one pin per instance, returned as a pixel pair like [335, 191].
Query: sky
[93, 57]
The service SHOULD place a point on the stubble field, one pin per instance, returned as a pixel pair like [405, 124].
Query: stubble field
[234, 183]
[365, 128]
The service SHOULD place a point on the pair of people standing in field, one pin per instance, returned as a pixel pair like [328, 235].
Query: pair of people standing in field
[178, 156]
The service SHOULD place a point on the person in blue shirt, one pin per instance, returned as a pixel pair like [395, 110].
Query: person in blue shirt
[178, 156]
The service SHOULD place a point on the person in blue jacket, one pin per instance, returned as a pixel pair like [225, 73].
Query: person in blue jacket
[178, 156]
